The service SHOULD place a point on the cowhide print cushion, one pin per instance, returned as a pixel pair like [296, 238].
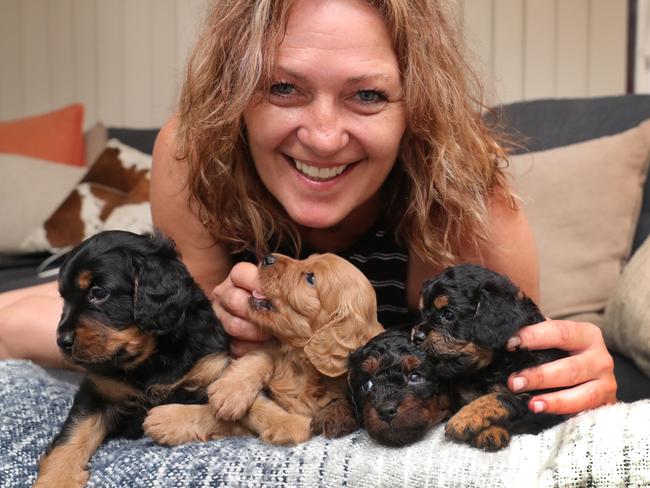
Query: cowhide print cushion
[114, 194]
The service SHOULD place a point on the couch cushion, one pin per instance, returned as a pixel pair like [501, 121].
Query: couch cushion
[140, 139]
[626, 325]
[29, 189]
[119, 179]
[56, 136]
[583, 203]
[545, 124]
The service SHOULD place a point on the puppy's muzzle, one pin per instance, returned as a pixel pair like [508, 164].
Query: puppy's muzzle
[418, 336]
[387, 411]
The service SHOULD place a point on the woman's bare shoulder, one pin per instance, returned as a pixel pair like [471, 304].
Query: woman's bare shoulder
[175, 215]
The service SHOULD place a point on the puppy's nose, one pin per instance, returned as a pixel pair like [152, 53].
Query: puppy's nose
[419, 336]
[268, 260]
[387, 411]
[65, 340]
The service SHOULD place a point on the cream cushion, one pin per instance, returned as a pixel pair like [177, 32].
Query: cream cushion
[626, 325]
[583, 203]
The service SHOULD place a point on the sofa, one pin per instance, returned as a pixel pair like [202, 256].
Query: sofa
[609, 446]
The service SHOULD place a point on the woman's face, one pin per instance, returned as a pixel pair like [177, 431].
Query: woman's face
[325, 137]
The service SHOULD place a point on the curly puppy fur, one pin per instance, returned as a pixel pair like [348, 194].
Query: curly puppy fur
[396, 392]
[146, 335]
[468, 315]
[319, 309]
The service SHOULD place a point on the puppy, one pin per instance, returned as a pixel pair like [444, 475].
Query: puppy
[319, 310]
[395, 389]
[468, 315]
[145, 333]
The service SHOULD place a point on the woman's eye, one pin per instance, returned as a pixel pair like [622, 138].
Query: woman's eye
[310, 279]
[448, 315]
[371, 96]
[416, 378]
[282, 89]
[97, 295]
[367, 386]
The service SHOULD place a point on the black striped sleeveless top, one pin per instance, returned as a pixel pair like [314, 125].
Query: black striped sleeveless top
[384, 263]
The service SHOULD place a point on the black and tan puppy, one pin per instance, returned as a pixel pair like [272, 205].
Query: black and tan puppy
[468, 315]
[396, 393]
[143, 330]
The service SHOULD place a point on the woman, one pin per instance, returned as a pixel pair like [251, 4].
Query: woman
[349, 126]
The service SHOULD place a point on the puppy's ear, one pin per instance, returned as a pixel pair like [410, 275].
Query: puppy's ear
[501, 311]
[350, 328]
[163, 292]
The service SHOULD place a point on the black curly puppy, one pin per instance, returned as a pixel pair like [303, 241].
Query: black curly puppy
[468, 315]
[143, 330]
[397, 395]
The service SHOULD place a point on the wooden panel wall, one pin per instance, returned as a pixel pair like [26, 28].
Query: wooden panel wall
[123, 58]
[549, 48]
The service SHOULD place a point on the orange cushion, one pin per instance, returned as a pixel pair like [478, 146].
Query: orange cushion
[55, 136]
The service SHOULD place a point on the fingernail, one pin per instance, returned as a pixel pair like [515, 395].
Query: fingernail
[513, 343]
[538, 406]
[518, 383]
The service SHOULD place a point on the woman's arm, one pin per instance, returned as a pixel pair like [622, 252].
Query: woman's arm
[228, 287]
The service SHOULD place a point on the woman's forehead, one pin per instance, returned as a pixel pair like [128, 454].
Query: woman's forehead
[345, 31]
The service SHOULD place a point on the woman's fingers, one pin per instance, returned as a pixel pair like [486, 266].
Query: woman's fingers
[569, 371]
[562, 334]
[577, 399]
[587, 374]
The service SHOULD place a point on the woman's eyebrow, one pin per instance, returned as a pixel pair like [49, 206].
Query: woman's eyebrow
[352, 80]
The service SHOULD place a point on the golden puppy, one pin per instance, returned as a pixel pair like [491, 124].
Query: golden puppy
[320, 310]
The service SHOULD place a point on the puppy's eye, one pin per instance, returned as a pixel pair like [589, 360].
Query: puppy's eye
[448, 315]
[97, 295]
[367, 386]
[416, 378]
[310, 279]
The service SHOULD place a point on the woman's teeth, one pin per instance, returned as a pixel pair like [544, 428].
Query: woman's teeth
[320, 174]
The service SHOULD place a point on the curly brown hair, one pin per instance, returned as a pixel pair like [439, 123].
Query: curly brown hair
[449, 162]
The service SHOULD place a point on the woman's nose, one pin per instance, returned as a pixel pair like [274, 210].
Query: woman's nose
[323, 129]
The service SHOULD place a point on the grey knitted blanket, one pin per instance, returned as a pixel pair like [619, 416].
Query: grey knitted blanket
[609, 446]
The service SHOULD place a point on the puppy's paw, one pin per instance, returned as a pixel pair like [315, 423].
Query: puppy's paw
[288, 431]
[174, 424]
[230, 399]
[465, 424]
[491, 439]
[335, 420]
[66, 478]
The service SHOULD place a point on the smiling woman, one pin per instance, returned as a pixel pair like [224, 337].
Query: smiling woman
[353, 127]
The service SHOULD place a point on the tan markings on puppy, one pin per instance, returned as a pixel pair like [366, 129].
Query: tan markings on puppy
[84, 278]
[410, 362]
[97, 342]
[441, 301]
[176, 424]
[114, 390]
[66, 464]
[370, 365]
[491, 439]
[438, 344]
[478, 415]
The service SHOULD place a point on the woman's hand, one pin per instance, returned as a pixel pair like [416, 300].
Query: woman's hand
[589, 368]
[230, 303]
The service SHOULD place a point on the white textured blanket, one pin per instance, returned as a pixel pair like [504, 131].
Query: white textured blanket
[606, 447]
